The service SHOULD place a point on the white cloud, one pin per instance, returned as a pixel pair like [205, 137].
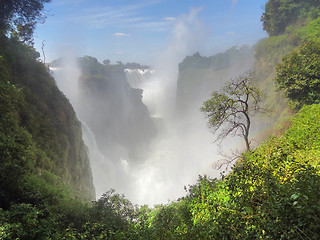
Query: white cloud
[170, 18]
[127, 16]
[119, 34]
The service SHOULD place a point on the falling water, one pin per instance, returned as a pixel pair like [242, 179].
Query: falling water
[181, 151]
[183, 146]
[67, 79]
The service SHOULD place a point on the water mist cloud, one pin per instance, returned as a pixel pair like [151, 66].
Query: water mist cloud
[187, 36]
[182, 149]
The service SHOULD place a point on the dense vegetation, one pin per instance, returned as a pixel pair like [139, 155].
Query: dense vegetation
[21, 16]
[299, 74]
[272, 191]
[282, 14]
[270, 51]
[44, 168]
[36, 107]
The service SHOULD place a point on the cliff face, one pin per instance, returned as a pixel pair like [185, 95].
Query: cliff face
[114, 111]
[46, 116]
[199, 76]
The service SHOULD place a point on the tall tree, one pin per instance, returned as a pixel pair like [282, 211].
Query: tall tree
[279, 14]
[230, 109]
[299, 75]
[21, 16]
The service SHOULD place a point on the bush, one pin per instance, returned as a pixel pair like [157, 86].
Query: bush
[299, 75]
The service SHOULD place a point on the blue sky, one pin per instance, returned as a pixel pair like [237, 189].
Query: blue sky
[140, 30]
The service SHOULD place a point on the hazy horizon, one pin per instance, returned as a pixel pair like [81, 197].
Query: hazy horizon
[139, 31]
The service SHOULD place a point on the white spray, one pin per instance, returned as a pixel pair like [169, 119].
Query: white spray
[183, 148]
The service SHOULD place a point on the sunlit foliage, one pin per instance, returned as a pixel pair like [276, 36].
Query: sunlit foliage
[299, 74]
[280, 14]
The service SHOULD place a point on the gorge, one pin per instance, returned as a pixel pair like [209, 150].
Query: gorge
[143, 139]
[95, 150]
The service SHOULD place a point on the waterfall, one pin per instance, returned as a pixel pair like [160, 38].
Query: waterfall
[67, 80]
[138, 77]
[146, 79]
[180, 152]
[124, 153]
[102, 168]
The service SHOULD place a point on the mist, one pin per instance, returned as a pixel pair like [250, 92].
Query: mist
[183, 147]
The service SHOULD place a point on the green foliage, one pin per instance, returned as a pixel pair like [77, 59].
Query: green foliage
[42, 154]
[111, 217]
[310, 32]
[280, 14]
[299, 74]
[45, 209]
[304, 133]
[272, 192]
[172, 221]
[17, 150]
[274, 176]
[25, 222]
[209, 203]
[40, 110]
[272, 48]
[20, 17]
[270, 51]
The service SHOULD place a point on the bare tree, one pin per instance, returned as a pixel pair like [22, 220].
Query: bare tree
[229, 111]
[43, 53]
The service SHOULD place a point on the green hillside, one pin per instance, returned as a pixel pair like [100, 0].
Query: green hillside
[44, 168]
